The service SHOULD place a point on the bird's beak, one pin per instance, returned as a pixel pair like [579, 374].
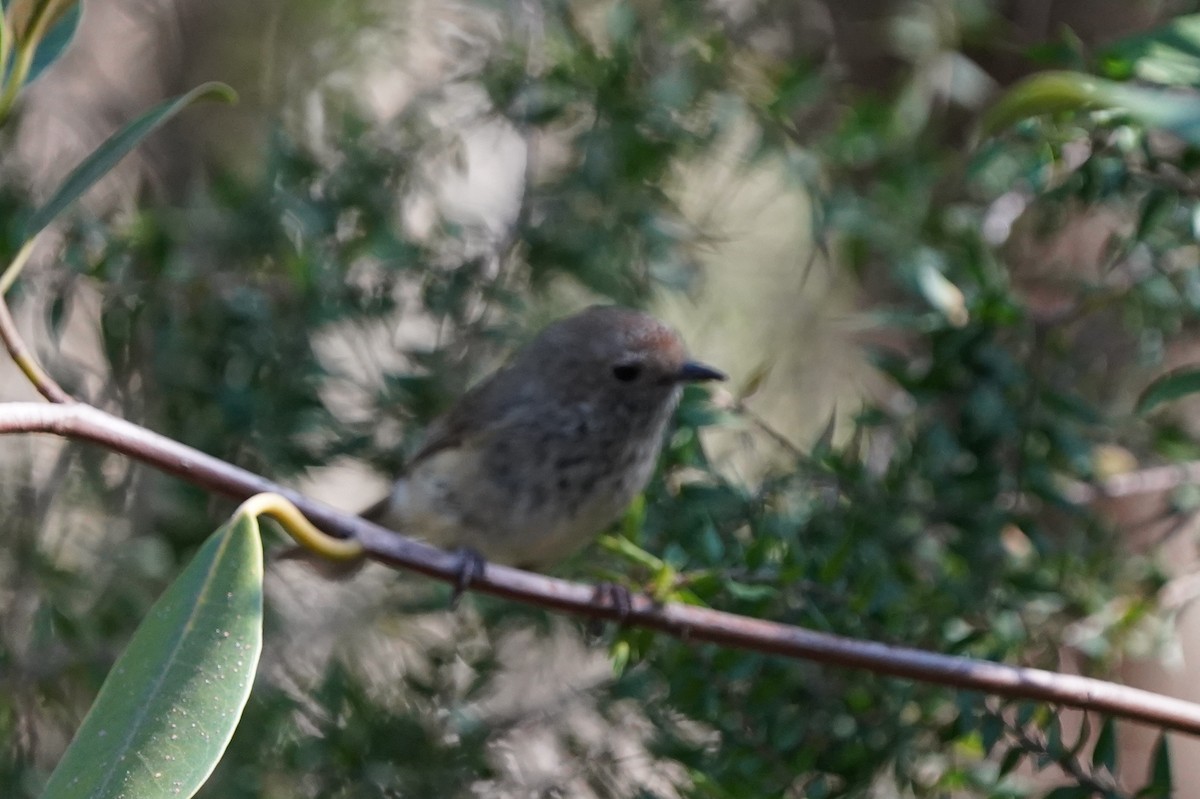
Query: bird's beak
[692, 372]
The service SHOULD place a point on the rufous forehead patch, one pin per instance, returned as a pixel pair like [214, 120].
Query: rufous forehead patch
[660, 339]
[610, 331]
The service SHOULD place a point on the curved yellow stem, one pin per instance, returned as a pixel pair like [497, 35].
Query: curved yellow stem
[300, 528]
[13, 270]
[24, 359]
[11, 339]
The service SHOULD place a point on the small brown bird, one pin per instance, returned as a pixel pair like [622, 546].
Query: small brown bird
[534, 462]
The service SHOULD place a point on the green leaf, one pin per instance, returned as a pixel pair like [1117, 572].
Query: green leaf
[1104, 755]
[169, 706]
[749, 592]
[1043, 93]
[116, 147]
[621, 654]
[1156, 208]
[1052, 92]
[1160, 773]
[1054, 740]
[1171, 386]
[55, 41]
[1168, 55]
[991, 731]
[1173, 111]
[1012, 758]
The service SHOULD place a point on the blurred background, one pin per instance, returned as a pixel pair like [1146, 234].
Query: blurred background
[931, 333]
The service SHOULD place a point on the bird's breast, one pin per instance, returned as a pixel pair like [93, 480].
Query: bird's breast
[534, 492]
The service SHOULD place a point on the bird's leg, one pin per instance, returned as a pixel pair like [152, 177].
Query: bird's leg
[471, 565]
[614, 596]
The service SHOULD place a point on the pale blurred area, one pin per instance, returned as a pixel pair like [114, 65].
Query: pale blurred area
[769, 307]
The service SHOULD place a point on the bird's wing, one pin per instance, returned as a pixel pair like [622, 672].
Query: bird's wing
[446, 432]
[479, 414]
[449, 431]
[486, 410]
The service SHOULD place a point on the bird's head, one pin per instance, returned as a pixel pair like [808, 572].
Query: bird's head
[613, 355]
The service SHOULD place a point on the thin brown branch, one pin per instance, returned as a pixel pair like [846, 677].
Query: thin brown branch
[79, 421]
[24, 359]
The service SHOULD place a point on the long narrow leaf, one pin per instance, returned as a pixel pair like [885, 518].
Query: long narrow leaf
[1043, 93]
[170, 704]
[1171, 386]
[116, 147]
[1052, 92]
[55, 42]
[28, 16]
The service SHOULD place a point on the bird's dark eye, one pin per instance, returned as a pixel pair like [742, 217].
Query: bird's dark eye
[627, 372]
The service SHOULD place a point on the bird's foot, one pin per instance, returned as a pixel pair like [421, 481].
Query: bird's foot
[617, 597]
[611, 596]
[471, 565]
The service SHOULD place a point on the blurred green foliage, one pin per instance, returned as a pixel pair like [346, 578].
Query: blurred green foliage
[940, 521]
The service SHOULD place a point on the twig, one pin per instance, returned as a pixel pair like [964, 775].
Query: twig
[80, 421]
[25, 361]
[767, 429]
[1035, 742]
[1143, 481]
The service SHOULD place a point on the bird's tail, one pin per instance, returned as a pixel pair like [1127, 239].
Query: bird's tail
[377, 511]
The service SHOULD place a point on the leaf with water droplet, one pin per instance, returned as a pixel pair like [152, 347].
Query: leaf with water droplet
[176, 666]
